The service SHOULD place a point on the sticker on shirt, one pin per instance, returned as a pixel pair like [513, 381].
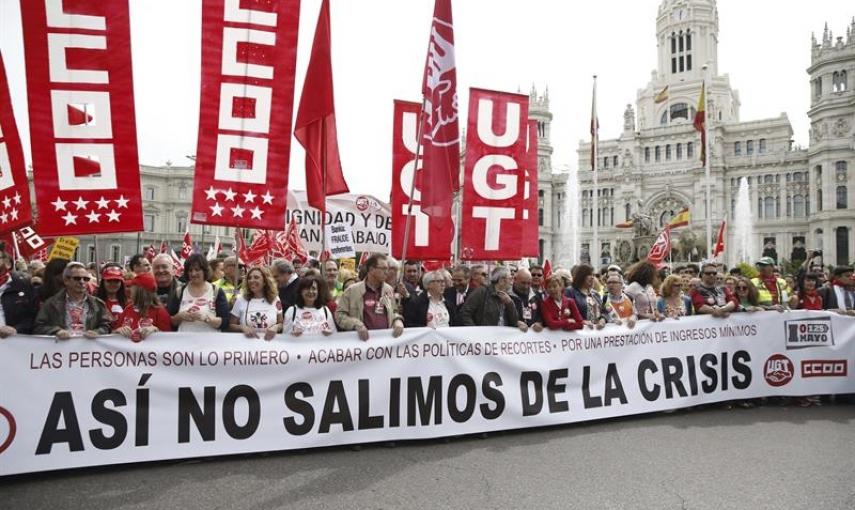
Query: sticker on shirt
[526, 314]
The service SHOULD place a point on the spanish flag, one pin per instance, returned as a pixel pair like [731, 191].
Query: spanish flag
[661, 96]
[681, 219]
[700, 123]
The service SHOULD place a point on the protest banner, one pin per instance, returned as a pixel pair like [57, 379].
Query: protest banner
[64, 248]
[369, 219]
[340, 240]
[112, 401]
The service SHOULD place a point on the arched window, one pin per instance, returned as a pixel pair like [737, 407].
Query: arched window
[668, 152]
[841, 167]
[789, 206]
[682, 111]
[768, 179]
[769, 208]
[842, 199]
[647, 154]
[799, 206]
[658, 154]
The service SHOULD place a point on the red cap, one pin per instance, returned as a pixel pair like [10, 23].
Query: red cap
[146, 281]
[112, 273]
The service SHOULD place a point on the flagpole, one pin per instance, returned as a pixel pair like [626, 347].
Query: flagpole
[707, 158]
[324, 187]
[95, 242]
[409, 219]
[594, 252]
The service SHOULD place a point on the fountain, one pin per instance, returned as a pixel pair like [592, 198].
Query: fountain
[743, 249]
[569, 251]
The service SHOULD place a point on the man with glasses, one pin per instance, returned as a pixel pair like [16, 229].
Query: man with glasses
[168, 287]
[370, 304]
[528, 306]
[73, 311]
[17, 301]
[479, 276]
[709, 298]
[537, 289]
[492, 305]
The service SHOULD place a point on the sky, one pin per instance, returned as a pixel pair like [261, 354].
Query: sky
[379, 50]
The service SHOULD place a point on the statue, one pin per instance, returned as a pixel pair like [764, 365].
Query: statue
[642, 224]
[629, 118]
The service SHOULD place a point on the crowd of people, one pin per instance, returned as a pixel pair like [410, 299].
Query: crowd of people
[309, 298]
[297, 297]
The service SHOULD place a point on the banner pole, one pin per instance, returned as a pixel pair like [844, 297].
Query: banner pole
[95, 242]
[409, 219]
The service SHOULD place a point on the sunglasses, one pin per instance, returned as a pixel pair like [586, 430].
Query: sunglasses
[81, 278]
[742, 287]
[711, 273]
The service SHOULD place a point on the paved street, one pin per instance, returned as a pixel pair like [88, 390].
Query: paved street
[771, 457]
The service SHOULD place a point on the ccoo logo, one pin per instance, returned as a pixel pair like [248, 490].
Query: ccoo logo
[7, 429]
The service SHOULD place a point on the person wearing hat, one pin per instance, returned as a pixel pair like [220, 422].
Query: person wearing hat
[111, 290]
[144, 315]
[839, 295]
[773, 293]
[17, 301]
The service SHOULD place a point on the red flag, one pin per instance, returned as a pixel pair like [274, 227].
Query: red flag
[294, 245]
[76, 116]
[177, 266]
[719, 244]
[240, 245]
[661, 248]
[547, 269]
[86, 175]
[249, 56]
[15, 209]
[492, 223]
[700, 123]
[315, 128]
[187, 246]
[364, 258]
[27, 241]
[325, 256]
[440, 129]
[429, 237]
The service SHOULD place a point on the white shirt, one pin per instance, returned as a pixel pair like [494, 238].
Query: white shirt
[437, 314]
[204, 304]
[258, 313]
[312, 321]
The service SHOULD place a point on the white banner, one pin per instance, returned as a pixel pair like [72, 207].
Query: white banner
[340, 241]
[80, 402]
[368, 218]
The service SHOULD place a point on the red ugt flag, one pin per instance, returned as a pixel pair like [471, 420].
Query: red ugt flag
[15, 211]
[661, 248]
[187, 247]
[440, 130]
[315, 128]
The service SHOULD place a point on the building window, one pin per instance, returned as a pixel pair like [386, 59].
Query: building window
[817, 88]
[115, 253]
[92, 254]
[768, 179]
[842, 238]
[769, 208]
[658, 154]
[614, 161]
[606, 162]
[181, 224]
[838, 81]
[799, 206]
[149, 193]
[627, 211]
[681, 111]
[540, 216]
[737, 148]
[584, 217]
[148, 222]
[761, 147]
[690, 150]
[679, 151]
[842, 200]
[182, 192]
[668, 152]
[749, 147]
[647, 154]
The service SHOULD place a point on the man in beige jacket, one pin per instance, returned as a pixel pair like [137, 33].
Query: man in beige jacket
[369, 304]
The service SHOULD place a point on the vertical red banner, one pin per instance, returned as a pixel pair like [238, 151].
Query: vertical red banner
[15, 209]
[531, 246]
[82, 121]
[430, 238]
[496, 159]
[249, 56]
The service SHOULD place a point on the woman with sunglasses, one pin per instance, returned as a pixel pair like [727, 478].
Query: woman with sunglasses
[257, 311]
[111, 290]
[746, 295]
[310, 315]
[144, 315]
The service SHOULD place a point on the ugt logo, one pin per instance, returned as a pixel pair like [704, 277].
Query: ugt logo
[7, 429]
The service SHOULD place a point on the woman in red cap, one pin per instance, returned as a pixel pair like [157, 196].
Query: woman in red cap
[145, 315]
[111, 290]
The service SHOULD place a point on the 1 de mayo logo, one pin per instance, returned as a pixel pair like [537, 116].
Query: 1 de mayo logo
[803, 333]
[7, 429]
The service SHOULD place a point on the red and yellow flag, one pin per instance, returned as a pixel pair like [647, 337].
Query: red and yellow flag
[681, 219]
[700, 123]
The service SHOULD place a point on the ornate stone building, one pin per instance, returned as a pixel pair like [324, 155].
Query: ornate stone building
[800, 198]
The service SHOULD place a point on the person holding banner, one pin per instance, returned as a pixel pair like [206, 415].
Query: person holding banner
[672, 303]
[588, 302]
[528, 304]
[73, 311]
[712, 299]
[168, 287]
[144, 315]
[643, 277]
[456, 294]
[559, 311]
[428, 308]
[111, 290]
[617, 305]
[492, 305]
[309, 315]
[201, 307]
[746, 295]
[370, 304]
[17, 301]
[257, 311]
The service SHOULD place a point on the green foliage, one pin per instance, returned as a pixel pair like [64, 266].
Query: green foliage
[747, 269]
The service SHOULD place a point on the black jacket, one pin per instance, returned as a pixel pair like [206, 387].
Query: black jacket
[288, 294]
[416, 310]
[483, 308]
[450, 297]
[19, 305]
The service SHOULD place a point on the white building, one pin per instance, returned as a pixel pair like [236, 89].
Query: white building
[799, 198]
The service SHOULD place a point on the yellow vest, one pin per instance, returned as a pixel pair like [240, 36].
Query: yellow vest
[764, 297]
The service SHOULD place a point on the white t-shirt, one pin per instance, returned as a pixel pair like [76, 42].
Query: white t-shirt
[313, 321]
[258, 313]
[204, 304]
[437, 315]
